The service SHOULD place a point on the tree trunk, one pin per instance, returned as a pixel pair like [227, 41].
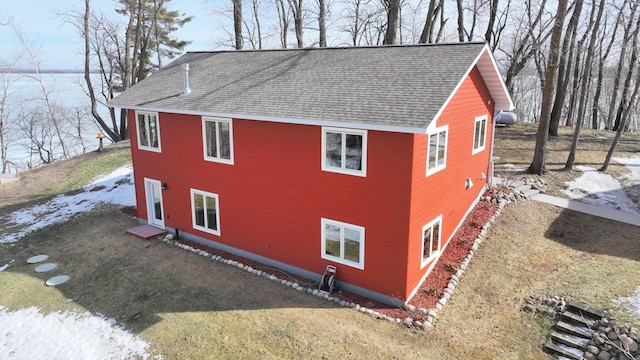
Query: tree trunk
[257, 19]
[563, 69]
[427, 32]
[87, 78]
[627, 111]
[296, 9]
[493, 10]
[322, 29]
[460, 21]
[392, 22]
[237, 23]
[538, 164]
[623, 56]
[583, 91]
[283, 20]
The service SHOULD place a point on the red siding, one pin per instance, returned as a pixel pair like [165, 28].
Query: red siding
[444, 193]
[273, 198]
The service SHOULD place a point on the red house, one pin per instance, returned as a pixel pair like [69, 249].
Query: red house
[367, 159]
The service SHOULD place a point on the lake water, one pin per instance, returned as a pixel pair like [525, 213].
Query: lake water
[68, 95]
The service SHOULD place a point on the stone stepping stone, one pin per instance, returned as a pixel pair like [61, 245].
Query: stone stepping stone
[36, 259]
[57, 280]
[46, 267]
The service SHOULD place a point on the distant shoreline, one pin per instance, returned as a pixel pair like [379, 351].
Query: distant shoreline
[43, 71]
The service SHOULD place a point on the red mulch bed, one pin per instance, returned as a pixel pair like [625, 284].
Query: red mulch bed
[428, 294]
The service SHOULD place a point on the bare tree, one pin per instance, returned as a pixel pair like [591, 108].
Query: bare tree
[583, 91]
[283, 22]
[564, 66]
[296, 10]
[237, 23]
[427, 31]
[460, 9]
[322, 27]
[393, 10]
[538, 164]
[7, 80]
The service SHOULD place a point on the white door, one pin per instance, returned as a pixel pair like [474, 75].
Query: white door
[153, 192]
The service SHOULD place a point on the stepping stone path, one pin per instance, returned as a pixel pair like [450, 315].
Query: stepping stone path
[54, 281]
[584, 332]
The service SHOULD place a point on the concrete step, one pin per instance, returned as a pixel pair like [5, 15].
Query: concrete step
[581, 308]
[582, 332]
[532, 192]
[551, 348]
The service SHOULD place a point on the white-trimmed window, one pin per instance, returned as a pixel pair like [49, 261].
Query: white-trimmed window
[479, 134]
[343, 243]
[205, 211]
[437, 150]
[148, 131]
[217, 138]
[344, 151]
[431, 234]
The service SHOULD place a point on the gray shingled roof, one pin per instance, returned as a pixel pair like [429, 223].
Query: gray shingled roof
[391, 86]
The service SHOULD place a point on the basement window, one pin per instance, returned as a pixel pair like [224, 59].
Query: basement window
[205, 211]
[343, 243]
[431, 234]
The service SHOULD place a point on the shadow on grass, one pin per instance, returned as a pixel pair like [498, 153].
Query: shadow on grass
[138, 282]
[596, 235]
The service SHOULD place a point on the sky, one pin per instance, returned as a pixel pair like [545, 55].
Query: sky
[61, 45]
[72, 335]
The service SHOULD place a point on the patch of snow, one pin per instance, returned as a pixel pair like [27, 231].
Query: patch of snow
[631, 303]
[601, 189]
[633, 164]
[115, 188]
[28, 334]
[5, 266]
[512, 167]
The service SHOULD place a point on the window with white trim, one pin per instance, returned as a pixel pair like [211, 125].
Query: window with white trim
[148, 131]
[205, 211]
[437, 150]
[343, 243]
[431, 240]
[479, 134]
[217, 138]
[344, 151]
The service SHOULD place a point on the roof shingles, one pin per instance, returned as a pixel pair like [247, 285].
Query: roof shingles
[393, 86]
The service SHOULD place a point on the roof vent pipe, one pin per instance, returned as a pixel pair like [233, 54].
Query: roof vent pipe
[185, 75]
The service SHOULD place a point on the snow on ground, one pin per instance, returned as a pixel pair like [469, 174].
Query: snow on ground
[631, 303]
[601, 189]
[26, 334]
[115, 188]
[511, 167]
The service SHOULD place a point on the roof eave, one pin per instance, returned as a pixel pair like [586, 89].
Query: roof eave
[314, 122]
